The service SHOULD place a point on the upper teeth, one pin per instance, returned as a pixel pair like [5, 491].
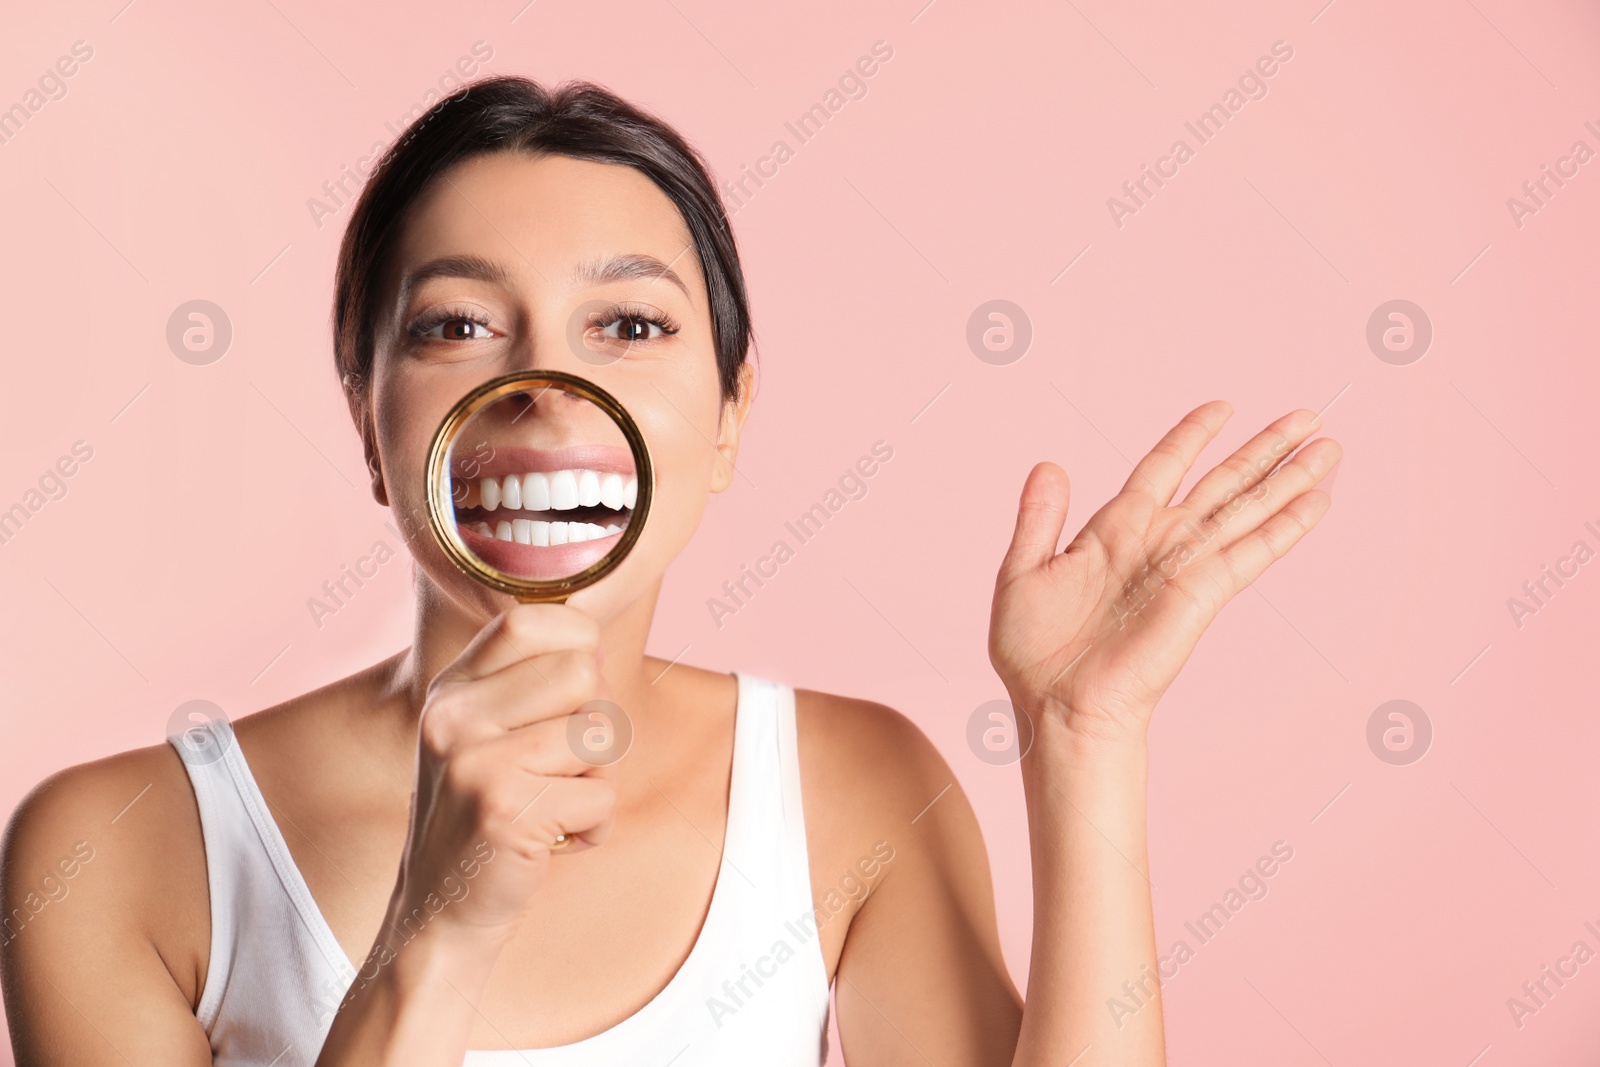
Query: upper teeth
[553, 491]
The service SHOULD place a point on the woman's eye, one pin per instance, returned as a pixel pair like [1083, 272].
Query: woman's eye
[458, 330]
[630, 328]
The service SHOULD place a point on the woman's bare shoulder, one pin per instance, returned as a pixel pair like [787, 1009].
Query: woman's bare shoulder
[882, 807]
[109, 852]
[141, 794]
[141, 801]
[121, 837]
[848, 739]
[867, 770]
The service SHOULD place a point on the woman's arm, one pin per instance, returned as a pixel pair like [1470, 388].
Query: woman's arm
[412, 1003]
[91, 863]
[1086, 641]
[497, 781]
[1093, 929]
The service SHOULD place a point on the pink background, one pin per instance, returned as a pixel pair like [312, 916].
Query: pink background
[977, 167]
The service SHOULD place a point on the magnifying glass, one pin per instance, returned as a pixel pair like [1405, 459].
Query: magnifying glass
[539, 483]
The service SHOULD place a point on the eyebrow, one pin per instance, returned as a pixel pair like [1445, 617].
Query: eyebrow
[468, 266]
[634, 265]
[624, 268]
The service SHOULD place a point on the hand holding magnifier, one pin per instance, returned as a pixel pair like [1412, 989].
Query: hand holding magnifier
[539, 483]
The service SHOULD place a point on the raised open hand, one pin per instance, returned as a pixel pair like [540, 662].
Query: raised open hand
[1095, 634]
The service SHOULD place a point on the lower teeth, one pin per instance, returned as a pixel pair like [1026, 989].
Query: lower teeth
[542, 534]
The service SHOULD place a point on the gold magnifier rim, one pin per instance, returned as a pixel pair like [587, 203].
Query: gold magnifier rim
[441, 505]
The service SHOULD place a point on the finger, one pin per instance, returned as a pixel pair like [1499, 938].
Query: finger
[588, 741]
[1162, 470]
[543, 749]
[1247, 557]
[1041, 514]
[1254, 460]
[527, 691]
[1242, 515]
[600, 733]
[594, 836]
[580, 807]
[522, 632]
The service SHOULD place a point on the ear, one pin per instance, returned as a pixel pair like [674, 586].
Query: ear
[730, 426]
[358, 398]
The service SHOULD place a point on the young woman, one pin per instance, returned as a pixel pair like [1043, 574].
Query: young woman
[366, 873]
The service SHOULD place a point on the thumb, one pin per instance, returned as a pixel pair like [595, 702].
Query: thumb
[1041, 514]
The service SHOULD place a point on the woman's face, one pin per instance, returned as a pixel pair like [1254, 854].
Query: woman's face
[512, 262]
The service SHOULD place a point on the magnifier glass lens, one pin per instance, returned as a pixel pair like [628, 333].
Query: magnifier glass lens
[542, 483]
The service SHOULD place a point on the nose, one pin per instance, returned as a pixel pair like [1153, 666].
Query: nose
[566, 342]
[542, 402]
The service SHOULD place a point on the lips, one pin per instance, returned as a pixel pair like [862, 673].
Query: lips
[543, 514]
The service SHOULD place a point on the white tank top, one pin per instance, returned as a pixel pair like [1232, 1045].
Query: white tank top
[754, 988]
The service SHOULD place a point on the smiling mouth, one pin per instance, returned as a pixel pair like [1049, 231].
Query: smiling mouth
[547, 508]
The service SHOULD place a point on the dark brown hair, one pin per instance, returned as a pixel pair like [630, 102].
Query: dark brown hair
[514, 114]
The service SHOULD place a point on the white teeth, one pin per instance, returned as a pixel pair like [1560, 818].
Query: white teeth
[552, 491]
[564, 490]
[544, 491]
[541, 534]
[611, 490]
[535, 492]
[588, 488]
[576, 532]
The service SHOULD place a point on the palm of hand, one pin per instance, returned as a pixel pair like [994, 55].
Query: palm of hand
[1096, 634]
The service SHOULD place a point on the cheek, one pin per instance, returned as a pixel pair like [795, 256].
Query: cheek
[680, 434]
[402, 435]
[684, 459]
[404, 421]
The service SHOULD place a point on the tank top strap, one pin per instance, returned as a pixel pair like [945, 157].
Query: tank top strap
[226, 832]
[766, 833]
[271, 955]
